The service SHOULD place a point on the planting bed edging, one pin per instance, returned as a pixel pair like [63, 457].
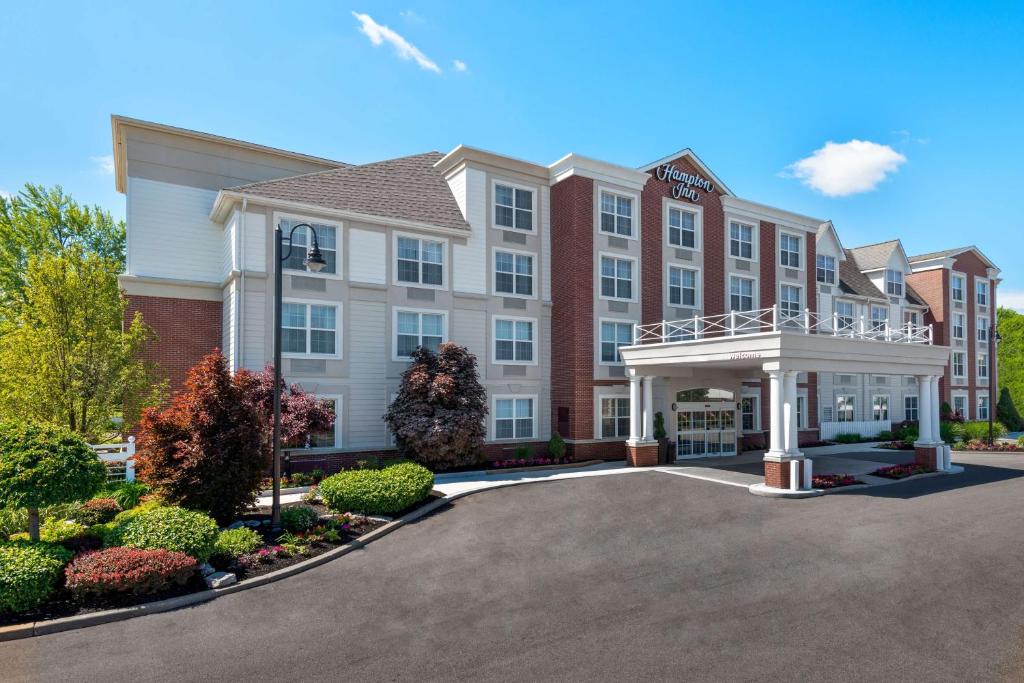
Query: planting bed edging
[38, 628]
[541, 468]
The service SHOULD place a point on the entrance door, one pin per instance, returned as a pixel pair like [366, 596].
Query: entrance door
[705, 429]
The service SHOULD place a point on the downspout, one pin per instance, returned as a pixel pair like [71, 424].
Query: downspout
[240, 312]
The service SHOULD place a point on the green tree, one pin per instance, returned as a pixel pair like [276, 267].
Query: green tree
[1011, 353]
[41, 220]
[64, 358]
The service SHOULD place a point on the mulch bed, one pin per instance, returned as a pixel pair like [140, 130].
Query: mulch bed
[833, 481]
[901, 471]
[895, 446]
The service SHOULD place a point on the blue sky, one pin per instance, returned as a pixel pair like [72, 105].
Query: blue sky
[922, 103]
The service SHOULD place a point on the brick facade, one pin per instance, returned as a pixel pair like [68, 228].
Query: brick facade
[186, 330]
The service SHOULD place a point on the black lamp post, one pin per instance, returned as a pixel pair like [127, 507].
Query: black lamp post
[314, 261]
[993, 336]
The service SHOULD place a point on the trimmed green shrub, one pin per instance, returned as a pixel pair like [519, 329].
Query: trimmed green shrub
[127, 570]
[885, 435]
[556, 446]
[98, 511]
[951, 432]
[231, 543]
[978, 429]
[29, 573]
[170, 528]
[377, 492]
[299, 518]
[847, 438]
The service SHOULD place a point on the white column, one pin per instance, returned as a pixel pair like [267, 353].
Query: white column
[936, 434]
[648, 408]
[775, 423]
[924, 422]
[634, 408]
[791, 431]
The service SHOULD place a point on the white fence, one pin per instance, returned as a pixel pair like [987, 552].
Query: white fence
[119, 459]
[829, 430]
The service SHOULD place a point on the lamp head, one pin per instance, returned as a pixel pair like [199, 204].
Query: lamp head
[315, 260]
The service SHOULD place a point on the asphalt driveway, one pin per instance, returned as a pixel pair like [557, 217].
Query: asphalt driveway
[648, 576]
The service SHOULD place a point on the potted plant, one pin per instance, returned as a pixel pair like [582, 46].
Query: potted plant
[664, 443]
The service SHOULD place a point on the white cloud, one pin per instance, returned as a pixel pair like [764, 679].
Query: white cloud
[379, 34]
[104, 163]
[409, 15]
[840, 169]
[459, 65]
[1011, 299]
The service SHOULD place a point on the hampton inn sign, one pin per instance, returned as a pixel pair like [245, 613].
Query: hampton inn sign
[684, 182]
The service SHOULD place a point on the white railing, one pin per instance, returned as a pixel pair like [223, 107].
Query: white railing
[829, 430]
[119, 459]
[775, 319]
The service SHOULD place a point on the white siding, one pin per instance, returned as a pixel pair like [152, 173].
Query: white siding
[469, 328]
[228, 336]
[229, 250]
[469, 261]
[256, 239]
[256, 352]
[170, 233]
[368, 396]
[545, 244]
[367, 260]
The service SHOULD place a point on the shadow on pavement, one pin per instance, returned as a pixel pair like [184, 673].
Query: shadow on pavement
[973, 475]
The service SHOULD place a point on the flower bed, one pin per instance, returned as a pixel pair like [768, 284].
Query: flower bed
[997, 447]
[901, 471]
[896, 446]
[832, 481]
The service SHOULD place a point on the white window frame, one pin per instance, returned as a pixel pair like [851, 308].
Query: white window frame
[966, 412]
[755, 227]
[634, 222]
[494, 417]
[801, 249]
[698, 299]
[445, 259]
[494, 339]
[962, 326]
[953, 277]
[834, 271]
[917, 407]
[338, 427]
[853, 404]
[875, 417]
[617, 321]
[756, 398]
[801, 415]
[534, 212]
[840, 318]
[601, 398]
[494, 272]
[981, 325]
[395, 310]
[962, 377]
[698, 224]
[755, 290]
[978, 400]
[912, 317]
[877, 324]
[338, 241]
[338, 326]
[977, 291]
[634, 277]
[902, 282]
[981, 369]
[801, 302]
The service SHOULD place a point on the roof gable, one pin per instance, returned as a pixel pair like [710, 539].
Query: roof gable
[880, 256]
[689, 156]
[952, 253]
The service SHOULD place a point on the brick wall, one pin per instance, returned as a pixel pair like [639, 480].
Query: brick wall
[971, 266]
[933, 287]
[186, 330]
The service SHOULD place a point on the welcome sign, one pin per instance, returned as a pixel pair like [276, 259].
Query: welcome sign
[686, 184]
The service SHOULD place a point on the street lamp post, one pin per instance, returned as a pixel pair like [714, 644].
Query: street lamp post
[314, 261]
[993, 335]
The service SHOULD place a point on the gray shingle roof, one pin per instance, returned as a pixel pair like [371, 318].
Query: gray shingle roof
[873, 256]
[852, 281]
[407, 188]
[937, 254]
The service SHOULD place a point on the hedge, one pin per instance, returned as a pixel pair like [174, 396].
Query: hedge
[377, 492]
[98, 511]
[127, 570]
[167, 528]
[29, 573]
[299, 518]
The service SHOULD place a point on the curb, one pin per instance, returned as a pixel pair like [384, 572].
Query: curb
[39, 628]
[542, 468]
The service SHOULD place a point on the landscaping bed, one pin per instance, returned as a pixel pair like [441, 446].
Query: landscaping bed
[833, 481]
[901, 471]
[896, 446]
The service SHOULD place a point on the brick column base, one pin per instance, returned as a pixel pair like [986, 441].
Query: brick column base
[776, 474]
[926, 455]
[642, 454]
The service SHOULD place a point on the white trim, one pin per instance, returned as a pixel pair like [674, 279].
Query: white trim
[769, 214]
[801, 253]
[445, 259]
[599, 431]
[986, 322]
[339, 431]
[834, 271]
[966, 395]
[978, 367]
[602, 171]
[958, 379]
[688, 153]
[634, 288]
[802, 420]
[952, 326]
[698, 295]
[698, 223]
[338, 307]
[634, 219]
[494, 273]
[754, 393]
[978, 396]
[801, 304]
[756, 290]
[917, 406]
[339, 240]
[988, 293]
[597, 335]
[755, 237]
[534, 212]
[954, 274]
[495, 317]
[888, 407]
[902, 282]
[494, 418]
[395, 310]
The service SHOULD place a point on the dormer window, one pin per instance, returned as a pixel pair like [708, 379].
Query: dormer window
[894, 282]
[826, 269]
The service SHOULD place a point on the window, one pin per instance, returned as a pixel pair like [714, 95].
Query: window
[958, 288]
[894, 282]
[613, 336]
[741, 240]
[844, 407]
[332, 437]
[513, 341]
[309, 329]
[789, 250]
[880, 407]
[614, 417]
[326, 238]
[801, 412]
[911, 317]
[682, 286]
[513, 207]
[981, 325]
[513, 273]
[682, 228]
[981, 287]
[844, 316]
[616, 278]
[983, 407]
[789, 302]
[826, 269]
[879, 318]
[741, 293]
[420, 261]
[958, 326]
[959, 364]
[750, 414]
[415, 328]
[960, 406]
[513, 418]
[616, 214]
[982, 366]
[910, 408]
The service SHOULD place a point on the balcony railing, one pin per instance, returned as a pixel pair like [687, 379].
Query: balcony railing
[775, 319]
